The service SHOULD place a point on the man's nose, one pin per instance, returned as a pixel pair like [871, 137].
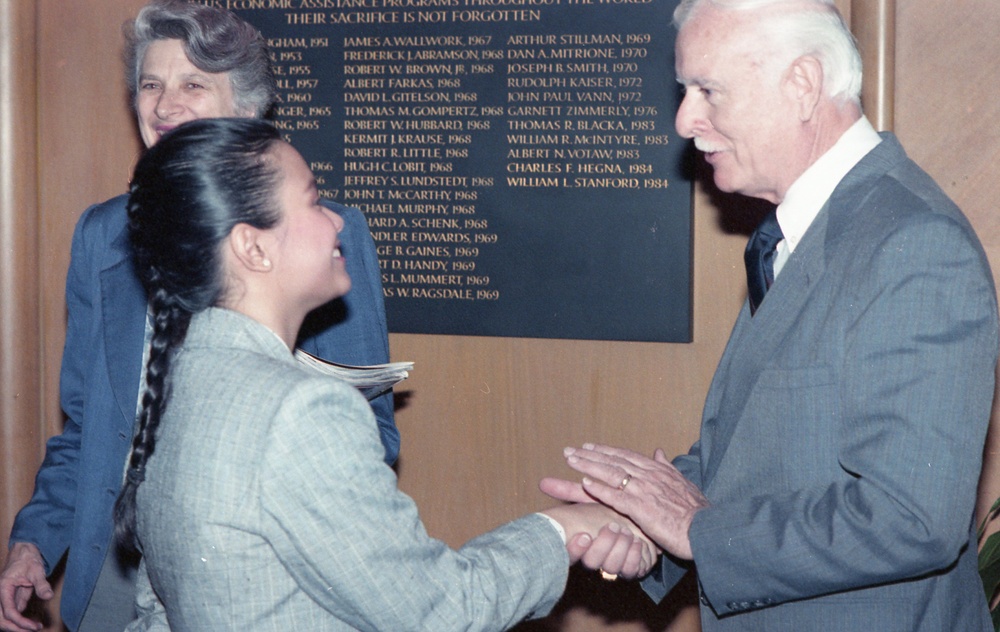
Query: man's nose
[690, 121]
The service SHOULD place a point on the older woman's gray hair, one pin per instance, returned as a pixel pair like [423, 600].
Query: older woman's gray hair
[214, 40]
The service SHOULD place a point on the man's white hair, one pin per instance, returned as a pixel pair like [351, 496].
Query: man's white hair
[796, 28]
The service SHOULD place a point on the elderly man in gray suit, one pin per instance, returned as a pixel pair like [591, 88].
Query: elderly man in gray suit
[834, 483]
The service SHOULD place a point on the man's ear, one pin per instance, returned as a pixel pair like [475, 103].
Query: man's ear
[804, 83]
[250, 247]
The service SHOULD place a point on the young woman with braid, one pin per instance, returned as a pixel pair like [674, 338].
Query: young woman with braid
[256, 489]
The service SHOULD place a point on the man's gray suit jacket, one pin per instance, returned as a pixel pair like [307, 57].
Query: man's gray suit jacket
[842, 435]
[267, 506]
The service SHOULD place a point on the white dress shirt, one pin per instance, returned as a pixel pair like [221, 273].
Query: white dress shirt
[807, 195]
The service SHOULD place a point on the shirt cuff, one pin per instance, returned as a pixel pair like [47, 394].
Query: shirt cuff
[555, 525]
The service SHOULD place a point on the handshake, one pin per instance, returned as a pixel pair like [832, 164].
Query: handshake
[627, 510]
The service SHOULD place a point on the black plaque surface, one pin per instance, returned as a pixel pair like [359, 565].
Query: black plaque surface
[515, 159]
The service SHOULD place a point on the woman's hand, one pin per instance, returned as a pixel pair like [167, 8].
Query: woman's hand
[601, 539]
[22, 576]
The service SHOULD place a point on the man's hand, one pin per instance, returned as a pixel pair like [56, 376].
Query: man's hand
[23, 575]
[651, 492]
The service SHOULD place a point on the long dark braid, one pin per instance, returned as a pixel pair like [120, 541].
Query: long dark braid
[188, 192]
[170, 324]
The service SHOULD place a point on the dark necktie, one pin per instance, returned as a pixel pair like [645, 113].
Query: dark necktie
[759, 259]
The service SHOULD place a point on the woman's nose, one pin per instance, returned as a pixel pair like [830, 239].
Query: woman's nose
[338, 221]
[167, 104]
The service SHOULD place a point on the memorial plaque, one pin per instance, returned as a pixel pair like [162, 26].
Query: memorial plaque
[515, 159]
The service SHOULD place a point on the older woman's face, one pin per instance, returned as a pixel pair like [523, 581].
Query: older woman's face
[172, 91]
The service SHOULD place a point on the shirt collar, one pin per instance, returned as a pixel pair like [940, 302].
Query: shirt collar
[807, 195]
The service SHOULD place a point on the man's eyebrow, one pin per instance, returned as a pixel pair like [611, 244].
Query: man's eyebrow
[700, 82]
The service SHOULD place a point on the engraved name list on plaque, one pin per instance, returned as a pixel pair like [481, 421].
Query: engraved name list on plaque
[516, 160]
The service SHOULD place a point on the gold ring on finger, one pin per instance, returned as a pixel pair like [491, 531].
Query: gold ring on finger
[625, 482]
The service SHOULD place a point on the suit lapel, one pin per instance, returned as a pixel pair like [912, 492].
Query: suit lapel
[761, 337]
[123, 307]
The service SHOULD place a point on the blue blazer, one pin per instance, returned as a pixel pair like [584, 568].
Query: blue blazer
[843, 432]
[80, 477]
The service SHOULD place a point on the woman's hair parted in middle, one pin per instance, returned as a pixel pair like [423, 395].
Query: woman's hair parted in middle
[188, 192]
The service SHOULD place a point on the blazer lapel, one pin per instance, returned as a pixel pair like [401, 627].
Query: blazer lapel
[123, 307]
[757, 339]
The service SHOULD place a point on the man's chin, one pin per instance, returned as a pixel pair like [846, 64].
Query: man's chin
[724, 184]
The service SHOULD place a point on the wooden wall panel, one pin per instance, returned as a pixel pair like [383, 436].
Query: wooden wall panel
[20, 399]
[873, 23]
[948, 118]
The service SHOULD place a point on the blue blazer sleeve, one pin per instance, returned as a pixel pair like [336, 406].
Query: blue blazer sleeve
[352, 329]
[47, 520]
[77, 483]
